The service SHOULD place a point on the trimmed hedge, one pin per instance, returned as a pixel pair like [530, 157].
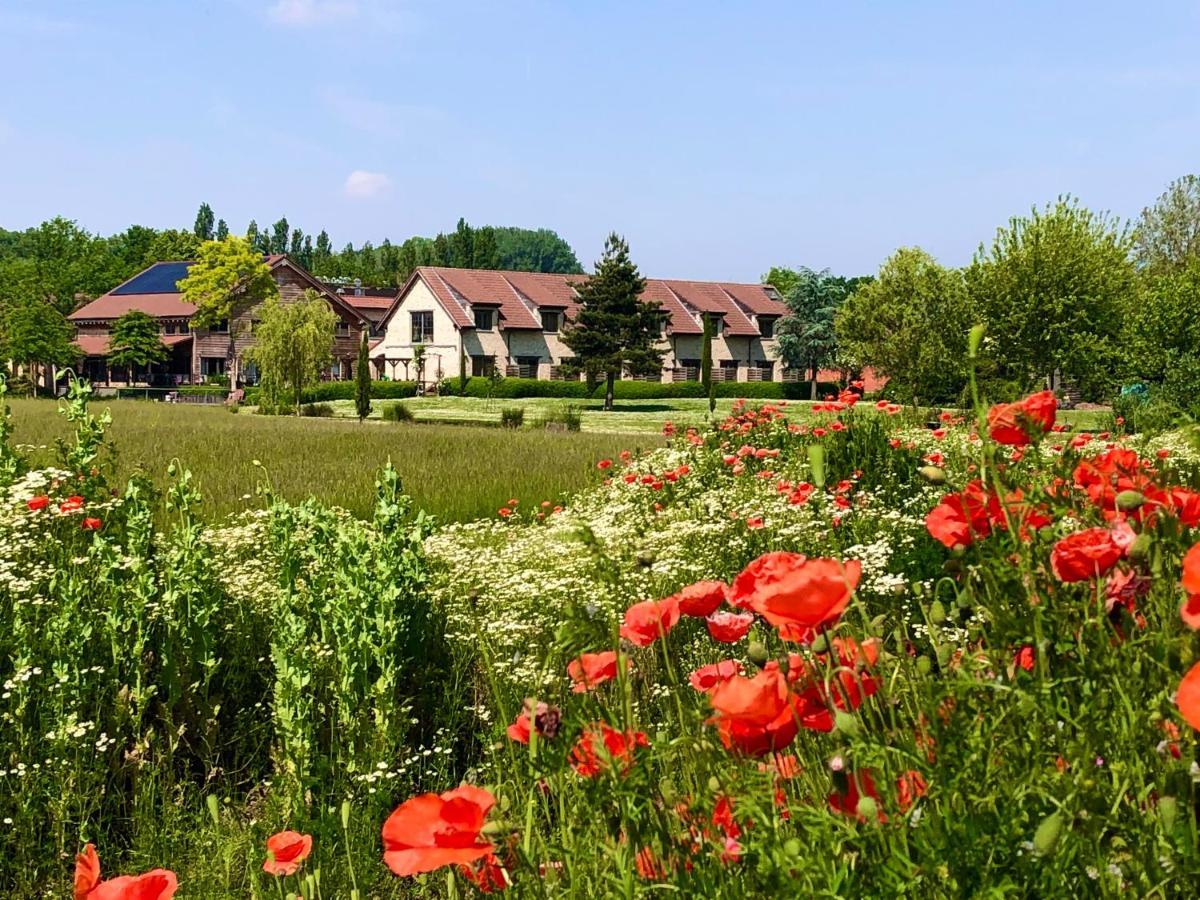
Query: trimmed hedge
[328, 391]
[515, 388]
[518, 388]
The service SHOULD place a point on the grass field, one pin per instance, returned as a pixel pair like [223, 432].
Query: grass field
[458, 473]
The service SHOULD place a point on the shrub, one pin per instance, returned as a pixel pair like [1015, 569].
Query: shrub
[512, 417]
[344, 390]
[395, 412]
[570, 418]
[317, 410]
[519, 388]
[1148, 414]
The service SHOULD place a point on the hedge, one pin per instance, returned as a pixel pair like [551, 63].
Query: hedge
[328, 391]
[518, 388]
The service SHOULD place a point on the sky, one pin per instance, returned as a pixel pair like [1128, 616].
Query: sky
[719, 138]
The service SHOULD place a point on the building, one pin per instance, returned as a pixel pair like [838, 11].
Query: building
[200, 354]
[512, 322]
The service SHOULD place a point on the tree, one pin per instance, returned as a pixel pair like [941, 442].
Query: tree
[222, 230]
[1161, 339]
[134, 341]
[279, 236]
[910, 325]
[297, 245]
[1052, 290]
[1167, 236]
[172, 245]
[807, 337]
[203, 229]
[706, 378]
[462, 245]
[293, 345]
[36, 335]
[324, 248]
[527, 250]
[226, 273]
[615, 328]
[362, 379]
[484, 254]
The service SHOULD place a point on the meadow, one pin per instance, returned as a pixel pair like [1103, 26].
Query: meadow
[833, 654]
[457, 473]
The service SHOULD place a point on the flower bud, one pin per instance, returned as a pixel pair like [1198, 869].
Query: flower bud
[1140, 548]
[845, 722]
[1168, 811]
[714, 784]
[820, 643]
[1128, 501]
[758, 653]
[792, 848]
[868, 808]
[937, 612]
[1045, 839]
[924, 665]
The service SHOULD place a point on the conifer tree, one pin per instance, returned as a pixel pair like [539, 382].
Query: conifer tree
[362, 379]
[204, 223]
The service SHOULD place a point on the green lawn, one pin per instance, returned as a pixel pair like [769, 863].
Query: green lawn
[458, 473]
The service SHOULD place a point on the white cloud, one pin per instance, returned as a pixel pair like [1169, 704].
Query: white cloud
[304, 13]
[361, 183]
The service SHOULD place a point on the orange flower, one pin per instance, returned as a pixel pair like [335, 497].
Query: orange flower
[794, 593]
[616, 746]
[38, 503]
[705, 678]
[73, 503]
[90, 524]
[755, 716]
[909, 786]
[158, 884]
[1025, 658]
[649, 620]
[701, 599]
[434, 830]
[286, 851]
[1187, 697]
[1084, 555]
[728, 627]
[1017, 424]
[592, 669]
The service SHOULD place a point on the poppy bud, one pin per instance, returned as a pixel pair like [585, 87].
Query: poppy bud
[758, 653]
[820, 644]
[944, 652]
[792, 848]
[714, 783]
[1045, 839]
[496, 828]
[937, 612]
[868, 808]
[877, 624]
[845, 723]
[1140, 548]
[1128, 501]
[924, 665]
[1168, 810]
[974, 339]
[932, 474]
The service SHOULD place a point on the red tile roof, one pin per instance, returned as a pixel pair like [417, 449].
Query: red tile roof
[113, 306]
[97, 344]
[520, 295]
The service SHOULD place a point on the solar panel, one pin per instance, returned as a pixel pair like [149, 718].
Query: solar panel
[160, 278]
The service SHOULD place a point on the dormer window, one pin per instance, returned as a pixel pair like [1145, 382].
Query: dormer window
[718, 325]
[766, 326]
[485, 319]
[551, 321]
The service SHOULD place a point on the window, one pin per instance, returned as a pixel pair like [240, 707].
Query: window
[483, 366]
[212, 365]
[221, 327]
[766, 326]
[169, 328]
[422, 327]
[550, 320]
[485, 319]
[718, 325]
[730, 365]
[343, 328]
[184, 328]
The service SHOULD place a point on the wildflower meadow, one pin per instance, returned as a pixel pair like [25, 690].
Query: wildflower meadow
[845, 653]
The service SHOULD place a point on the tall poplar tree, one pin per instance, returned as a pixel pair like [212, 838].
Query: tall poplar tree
[203, 228]
[614, 328]
[362, 379]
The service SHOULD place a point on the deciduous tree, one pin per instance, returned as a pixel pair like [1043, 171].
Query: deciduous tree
[293, 345]
[226, 274]
[807, 337]
[614, 329]
[37, 335]
[1167, 237]
[134, 341]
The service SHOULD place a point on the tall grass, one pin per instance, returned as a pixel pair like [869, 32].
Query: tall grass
[456, 473]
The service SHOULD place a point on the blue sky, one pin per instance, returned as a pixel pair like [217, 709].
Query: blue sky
[720, 138]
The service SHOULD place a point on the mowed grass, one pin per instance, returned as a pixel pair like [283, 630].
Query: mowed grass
[458, 473]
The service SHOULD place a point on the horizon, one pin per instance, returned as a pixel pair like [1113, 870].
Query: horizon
[757, 137]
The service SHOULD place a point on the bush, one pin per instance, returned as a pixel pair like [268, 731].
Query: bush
[1148, 414]
[317, 410]
[570, 418]
[514, 388]
[395, 412]
[512, 417]
[344, 390]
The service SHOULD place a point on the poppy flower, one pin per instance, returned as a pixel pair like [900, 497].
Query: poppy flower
[1085, 555]
[846, 800]
[600, 745]
[1186, 505]
[852, 681]
[504, 512]
[729, 627]
[604, 464]
[1187, 697]
[701, 599]
[909, 786]
[755, 716]
[794, 593]
[1191, 571]
[91, 523]
[705, 678]
[593, 669]
[73, 503]
[158, 884]
[545, 719]
[649, 620]
[37, 503]
[434, 830]
[1189, 611]
[1018, 424]
[1025, 658]
[286, 851]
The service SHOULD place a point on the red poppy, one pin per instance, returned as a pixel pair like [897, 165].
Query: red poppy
[846, 800]
[755, 716]
[73, 503]
[794, 593]
[1186, 505]
[705, 678]
[960, 518]
[853, 681]
[909, 786]
[601, 744]
[91, 523]
[544, 717]
[1025, 658]
[38, 503]
[159, 884]
[1191, 571]
[1187, 697]
[286, 851]
[1112, 472]
[1189, 611]
[729, 627]
[649, 620]
[604, 464]
[701, 599]
[1085, 555]
[431, 830]
[592, 669]
[1017, 424]
[504, 512]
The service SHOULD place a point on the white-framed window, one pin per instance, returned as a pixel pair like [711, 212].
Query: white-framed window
[422, 327]
[485, 319]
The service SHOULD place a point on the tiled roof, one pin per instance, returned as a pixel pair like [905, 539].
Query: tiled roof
[521, 294]
[113, 306]
[97, 344]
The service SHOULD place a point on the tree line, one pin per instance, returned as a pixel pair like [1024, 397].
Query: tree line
[1069, 298]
